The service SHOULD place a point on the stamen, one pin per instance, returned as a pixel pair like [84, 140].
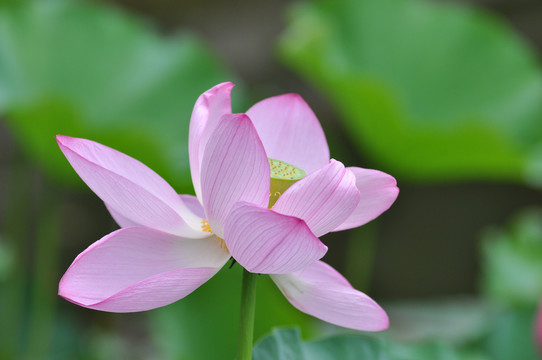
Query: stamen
[221, 243]
[205, 227]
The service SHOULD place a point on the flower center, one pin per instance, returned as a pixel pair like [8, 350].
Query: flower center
[205, 227]
[283, 175]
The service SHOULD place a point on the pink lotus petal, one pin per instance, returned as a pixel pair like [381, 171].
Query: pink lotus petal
[378, 191]
[324, 199]
[234, 168]
[320, 291]
[190, 201]
[209, 108]
[193, 204]
[129, 188]
[153, 292]
[137, 268]
[290, 131]
[266, 242]
[120, 219]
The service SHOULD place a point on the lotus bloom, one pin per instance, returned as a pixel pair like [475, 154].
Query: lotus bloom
[266, 190]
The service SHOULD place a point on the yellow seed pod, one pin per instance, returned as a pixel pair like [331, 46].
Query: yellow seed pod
[283, 175]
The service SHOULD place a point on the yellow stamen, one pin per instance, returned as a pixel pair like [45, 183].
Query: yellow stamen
[221, 243]
[206, 227]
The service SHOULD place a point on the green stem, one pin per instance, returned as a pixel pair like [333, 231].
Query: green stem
[246, 322]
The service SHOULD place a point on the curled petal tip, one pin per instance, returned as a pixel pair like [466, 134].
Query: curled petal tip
[321, 291]
[136, 269]
[378, 192]
[62, 139]
[227, 84]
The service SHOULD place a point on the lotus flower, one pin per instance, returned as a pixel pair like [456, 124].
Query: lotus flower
[266, 190]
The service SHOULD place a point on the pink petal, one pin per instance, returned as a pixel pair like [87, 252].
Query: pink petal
[190, 201]
[193, 204]
[156, 291]
[120, 219]
[324, 199]
[320, 291]
[378, 191]
[266, 242]
[290, 131]
[129, 188]
[234, 168]
[137, 268]
[209, 108]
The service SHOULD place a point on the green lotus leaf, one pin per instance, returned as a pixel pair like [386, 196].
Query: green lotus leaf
[431, 91]
[89, 70]
[512, 261]
[286, 344]
[511, 335]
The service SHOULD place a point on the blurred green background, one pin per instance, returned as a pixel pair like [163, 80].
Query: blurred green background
[444, 95]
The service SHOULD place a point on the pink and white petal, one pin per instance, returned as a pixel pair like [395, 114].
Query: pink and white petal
[193, 205]
[156, 291]
[266, 242]
[120, 219]
[290, 131]
[378, 191]
[190, 201]
[320, 291]
[140, 264]
[209, 108]
[234, 168]
[323, 199]
[129, 187]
